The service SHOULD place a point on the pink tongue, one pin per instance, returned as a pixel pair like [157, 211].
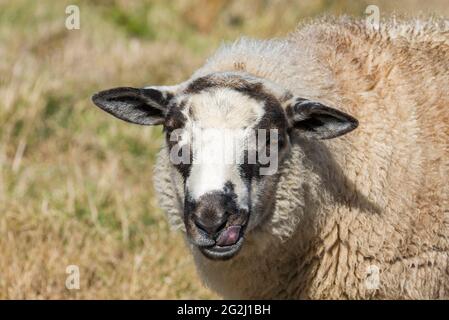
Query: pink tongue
[229, 236]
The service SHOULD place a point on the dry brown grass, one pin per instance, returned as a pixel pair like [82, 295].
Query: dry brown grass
[75, 184]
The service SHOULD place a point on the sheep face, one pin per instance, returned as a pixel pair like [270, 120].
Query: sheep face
[226, 135]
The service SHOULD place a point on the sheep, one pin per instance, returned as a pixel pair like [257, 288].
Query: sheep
[358, 207]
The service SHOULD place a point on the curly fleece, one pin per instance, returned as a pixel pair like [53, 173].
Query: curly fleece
[361, 216]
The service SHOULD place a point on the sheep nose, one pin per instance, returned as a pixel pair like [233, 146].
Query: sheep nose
[212, 213]
[211, 223]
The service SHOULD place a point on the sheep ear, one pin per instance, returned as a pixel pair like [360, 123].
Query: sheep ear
[145, 106]
[318, 121]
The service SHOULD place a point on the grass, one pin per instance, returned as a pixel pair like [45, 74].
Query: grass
[75, 184]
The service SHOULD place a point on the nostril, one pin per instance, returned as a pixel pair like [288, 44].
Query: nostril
[199, 225]
[210, 228]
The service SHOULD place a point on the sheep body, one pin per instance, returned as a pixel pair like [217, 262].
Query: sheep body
[362, 216]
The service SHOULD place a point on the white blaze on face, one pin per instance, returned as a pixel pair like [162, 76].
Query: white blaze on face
[221, 122]
[215, 160]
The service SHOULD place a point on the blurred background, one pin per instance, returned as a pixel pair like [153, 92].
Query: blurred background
[76, 184]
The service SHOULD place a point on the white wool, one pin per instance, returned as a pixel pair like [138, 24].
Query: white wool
[375, 199]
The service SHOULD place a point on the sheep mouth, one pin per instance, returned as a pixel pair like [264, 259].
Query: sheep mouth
[222, 252]
[227, 245]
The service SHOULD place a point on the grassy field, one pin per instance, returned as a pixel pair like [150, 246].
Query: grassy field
[75, 184]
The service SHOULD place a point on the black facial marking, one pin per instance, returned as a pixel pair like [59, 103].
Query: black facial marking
[274, 118]
[184, 168]
[175, 119]
[200, 84]
[246, 170]
[254, 90]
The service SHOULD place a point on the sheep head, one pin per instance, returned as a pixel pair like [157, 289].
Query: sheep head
[226, 134]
